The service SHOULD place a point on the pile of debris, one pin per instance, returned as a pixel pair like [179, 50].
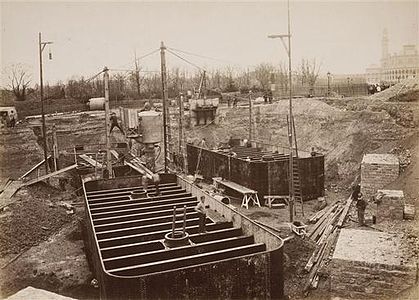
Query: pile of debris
[327, 224]
[404, 156]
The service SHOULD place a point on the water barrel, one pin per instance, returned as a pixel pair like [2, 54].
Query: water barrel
[97, 103]
[151, 124]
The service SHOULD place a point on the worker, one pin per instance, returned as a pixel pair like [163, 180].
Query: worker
[12, 119]
[146, 107]
[313, 152]
[144, 182]
[114, 123]
[156, 181]
[235, 101]
[356, 189]
[231, 142]
[361, 205]
[202, 214]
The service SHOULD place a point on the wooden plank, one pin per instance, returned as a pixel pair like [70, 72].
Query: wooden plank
[139, 168]
[91, 161]
[322, 219]
[4, 183]
[49, 175]
[34, 168]
[115, 154]
[345, 212]
[5, 197]
[235, 186]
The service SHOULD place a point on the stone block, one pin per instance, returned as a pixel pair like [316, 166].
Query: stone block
[368, 265]
[409, 211]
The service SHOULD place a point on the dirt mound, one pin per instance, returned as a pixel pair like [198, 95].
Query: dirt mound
[31, 218]
[409, 96]
[19, 151]
[399, 89]
[308, 107]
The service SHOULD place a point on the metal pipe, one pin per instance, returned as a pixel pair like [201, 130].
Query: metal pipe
[184, 220]
[174, 222]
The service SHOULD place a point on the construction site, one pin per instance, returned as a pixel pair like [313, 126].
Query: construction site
[201, 193]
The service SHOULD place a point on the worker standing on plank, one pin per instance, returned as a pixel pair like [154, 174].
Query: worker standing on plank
[114, 123]
[202, 214]
[361, 205]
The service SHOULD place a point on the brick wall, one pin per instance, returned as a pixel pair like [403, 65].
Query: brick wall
[362, 280]
[375, 176]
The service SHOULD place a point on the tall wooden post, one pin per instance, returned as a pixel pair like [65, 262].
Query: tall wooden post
[181, 137]
[41, 87]
[165, 108]
[291, 123]
[55, 147]
[250, 117]
[108, 142]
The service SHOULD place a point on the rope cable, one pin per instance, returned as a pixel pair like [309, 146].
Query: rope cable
[199, 55]
[185, 60]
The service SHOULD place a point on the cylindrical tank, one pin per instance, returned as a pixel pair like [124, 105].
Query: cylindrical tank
[97, 103]
[151, 126]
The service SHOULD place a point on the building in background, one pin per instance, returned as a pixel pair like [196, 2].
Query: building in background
[394, 67]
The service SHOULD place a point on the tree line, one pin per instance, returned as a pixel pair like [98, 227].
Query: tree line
[140, 84]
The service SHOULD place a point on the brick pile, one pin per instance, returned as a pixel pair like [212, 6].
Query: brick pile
[390, 206]
[377, 171]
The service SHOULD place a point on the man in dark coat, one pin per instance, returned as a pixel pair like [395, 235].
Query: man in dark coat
[361, 205]
[114, 123]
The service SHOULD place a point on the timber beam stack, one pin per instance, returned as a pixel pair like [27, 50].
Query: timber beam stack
[324, 232]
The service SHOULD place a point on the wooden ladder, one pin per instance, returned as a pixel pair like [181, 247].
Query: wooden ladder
[296, 183]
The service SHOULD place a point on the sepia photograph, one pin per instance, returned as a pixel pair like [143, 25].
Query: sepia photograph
[218, 149]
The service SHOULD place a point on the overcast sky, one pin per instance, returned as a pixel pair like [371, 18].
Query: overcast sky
[345, 37]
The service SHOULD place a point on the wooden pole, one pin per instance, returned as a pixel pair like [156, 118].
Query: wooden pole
[55, 147]
[250, 117]
[165, 98]
[291, 122]
[108, 143]
[41, 86]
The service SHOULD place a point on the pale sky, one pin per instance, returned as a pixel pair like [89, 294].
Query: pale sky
[344, 36]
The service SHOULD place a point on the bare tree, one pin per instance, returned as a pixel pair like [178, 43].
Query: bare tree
[263, 74]
[309, 73]
[136, 79]
[19, 81]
